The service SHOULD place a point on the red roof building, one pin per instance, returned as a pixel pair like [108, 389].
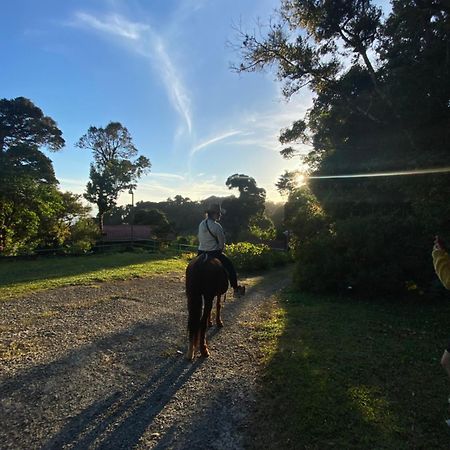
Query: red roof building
[125, 232]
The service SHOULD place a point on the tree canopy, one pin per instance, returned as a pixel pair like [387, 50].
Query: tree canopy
[381, 104]
[29, 200]
[240, 211]
[23, 123]
[113, 170]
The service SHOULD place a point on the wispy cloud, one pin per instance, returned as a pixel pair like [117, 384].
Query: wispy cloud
[144, 40]
[174, 85]
[263, 129]
[112, 24]
[171, 176]
[160, 190]
[213, 140]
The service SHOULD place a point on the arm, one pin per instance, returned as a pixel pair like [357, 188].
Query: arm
[220, 235]
[441, 262]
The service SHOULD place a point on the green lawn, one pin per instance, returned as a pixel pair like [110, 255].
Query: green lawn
[18, 277]
[353, 374]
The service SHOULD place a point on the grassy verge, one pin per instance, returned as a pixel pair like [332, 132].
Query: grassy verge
[352, 374]
[22, 276]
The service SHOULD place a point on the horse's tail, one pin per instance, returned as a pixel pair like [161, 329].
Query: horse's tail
[194, 298]
[195, 303]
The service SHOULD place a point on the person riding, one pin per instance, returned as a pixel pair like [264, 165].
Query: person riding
[211, 238]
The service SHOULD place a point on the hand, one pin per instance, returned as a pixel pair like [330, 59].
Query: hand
[438, 245]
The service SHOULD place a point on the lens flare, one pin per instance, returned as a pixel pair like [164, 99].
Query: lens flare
[384, 174]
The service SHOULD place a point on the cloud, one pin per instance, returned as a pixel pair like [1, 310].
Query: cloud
[161, 189]
[174, 85]
[112, 24]
[214, 140]
[142, 39]
[263, 129]
[170, 176]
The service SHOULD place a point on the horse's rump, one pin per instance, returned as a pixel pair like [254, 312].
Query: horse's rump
[206, 277]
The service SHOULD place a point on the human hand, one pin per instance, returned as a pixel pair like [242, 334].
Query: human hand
[438, 244]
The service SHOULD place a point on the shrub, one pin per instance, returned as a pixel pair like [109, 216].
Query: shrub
[83, 235]
[251, 257]
[370, 254]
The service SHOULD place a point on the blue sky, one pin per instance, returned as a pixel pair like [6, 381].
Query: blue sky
[161, 68]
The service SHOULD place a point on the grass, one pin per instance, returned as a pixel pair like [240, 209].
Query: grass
[19, 277]
[352, 374]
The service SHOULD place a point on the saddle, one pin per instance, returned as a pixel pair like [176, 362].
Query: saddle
[206, 257]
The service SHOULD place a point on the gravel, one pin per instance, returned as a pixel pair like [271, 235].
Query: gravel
[103, 367]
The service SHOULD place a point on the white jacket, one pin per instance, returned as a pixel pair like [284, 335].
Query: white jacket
[207, 243]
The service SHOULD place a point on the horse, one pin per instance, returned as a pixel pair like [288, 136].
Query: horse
[205, 279]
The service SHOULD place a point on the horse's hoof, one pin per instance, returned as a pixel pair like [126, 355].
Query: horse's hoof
[219, 324]
[205, 352]
[210, 324]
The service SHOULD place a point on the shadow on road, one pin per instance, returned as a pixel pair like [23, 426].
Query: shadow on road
[106, 394]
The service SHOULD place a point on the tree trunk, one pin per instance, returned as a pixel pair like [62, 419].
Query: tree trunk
[100, 221]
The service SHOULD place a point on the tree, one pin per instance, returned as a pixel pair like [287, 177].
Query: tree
[117, 215]
[155, 218]
[240, 211]
[381, 97]
[287, 182]
[113, 171]
[28, 196]
[23, 123]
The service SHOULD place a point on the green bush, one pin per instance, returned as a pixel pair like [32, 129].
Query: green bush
[187, 240]
[251, 257]
[83, 235]
[370, 254]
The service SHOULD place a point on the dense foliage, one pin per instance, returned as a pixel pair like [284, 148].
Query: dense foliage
[253, 257]
[33, 212]
[113, 170]
[381, 104]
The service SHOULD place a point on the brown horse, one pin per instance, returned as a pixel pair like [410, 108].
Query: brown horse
[205, 279]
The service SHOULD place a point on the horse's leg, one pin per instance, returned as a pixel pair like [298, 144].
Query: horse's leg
[210, 324]
[206, 313]
[219, 322]
[195, 310]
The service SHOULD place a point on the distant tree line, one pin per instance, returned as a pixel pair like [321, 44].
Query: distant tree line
[381, 104]
[246, 217]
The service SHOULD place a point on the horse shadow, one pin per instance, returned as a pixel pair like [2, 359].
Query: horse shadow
[113, 412]
[114, 416]
[118, 421]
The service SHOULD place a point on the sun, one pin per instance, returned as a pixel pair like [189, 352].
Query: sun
[300, 179]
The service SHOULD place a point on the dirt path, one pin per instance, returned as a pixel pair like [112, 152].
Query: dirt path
[103, 367]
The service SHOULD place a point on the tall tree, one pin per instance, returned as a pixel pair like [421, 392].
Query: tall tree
[381, 96]
[22, 122]
[249, 204]
[27, 179]
[155, 218]
[113, 169]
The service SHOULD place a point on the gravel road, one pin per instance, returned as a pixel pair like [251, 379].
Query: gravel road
[103, 367]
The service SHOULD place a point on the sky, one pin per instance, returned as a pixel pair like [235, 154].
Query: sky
[162, 69]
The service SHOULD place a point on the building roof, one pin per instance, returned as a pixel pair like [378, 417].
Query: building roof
[124, 232]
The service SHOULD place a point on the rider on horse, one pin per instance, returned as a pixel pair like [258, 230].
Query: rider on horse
[212, 242]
